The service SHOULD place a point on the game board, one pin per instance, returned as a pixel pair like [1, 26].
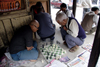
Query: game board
[51, 51]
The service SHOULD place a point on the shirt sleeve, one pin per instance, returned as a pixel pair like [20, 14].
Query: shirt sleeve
[58, 12]
[89, 3]
[28, 38]
[74, 29]
[68, 13]
[95, 19]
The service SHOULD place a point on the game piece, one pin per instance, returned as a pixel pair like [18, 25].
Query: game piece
[51, 54]
[57, 58]
[55, 55]
[50, 44]
[47, 53]
[42, 51]
[42, 61]
[57, 42]
[42, 46]
[50, 57]
[46, 57]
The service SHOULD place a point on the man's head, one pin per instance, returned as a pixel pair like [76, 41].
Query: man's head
[34, 24]
[95, 9]
[61, 18]
[39, 10]
[39, 5]
[63, 6]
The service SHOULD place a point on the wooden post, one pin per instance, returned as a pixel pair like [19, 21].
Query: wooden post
[95, 49]
[74, 7]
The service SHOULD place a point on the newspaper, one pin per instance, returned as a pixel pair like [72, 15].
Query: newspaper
[56, 63]
[81, 60]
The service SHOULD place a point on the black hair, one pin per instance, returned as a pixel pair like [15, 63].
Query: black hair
[39, 4]
[94, 8]
[63, 5]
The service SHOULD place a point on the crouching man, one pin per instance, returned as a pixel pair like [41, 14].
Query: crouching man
[22, 46]
[71, 31]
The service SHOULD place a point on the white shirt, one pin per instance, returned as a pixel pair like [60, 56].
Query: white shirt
[65, 1]
[86, 3]
[74, 29]
[68, 13]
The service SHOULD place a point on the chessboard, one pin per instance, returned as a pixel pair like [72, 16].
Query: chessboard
[51, 51]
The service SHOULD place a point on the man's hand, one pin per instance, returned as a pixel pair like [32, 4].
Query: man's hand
[64, 28]
[30, 48]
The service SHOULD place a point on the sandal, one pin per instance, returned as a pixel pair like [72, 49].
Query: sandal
[73, 49]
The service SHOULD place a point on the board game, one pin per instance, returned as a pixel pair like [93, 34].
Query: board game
[51, 51]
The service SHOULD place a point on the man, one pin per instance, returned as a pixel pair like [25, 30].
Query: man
[72, 32]
[34, 8]
[66, 11]
[46, 28]
[90, 20]
[86, 4]
[22, 46]
[66, 2]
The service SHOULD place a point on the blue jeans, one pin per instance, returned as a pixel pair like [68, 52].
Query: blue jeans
[26, 55]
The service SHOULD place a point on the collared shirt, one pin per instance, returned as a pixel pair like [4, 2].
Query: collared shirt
[68, 13]
[73, 26]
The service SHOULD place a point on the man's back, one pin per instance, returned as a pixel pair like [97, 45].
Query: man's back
[46, 25]
[87, 21]
[21, 39]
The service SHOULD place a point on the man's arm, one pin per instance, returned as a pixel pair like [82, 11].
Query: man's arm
[95, 19]
[68, 13]
[58, 11]
[90, 3]
[74, 29]
[28, 40]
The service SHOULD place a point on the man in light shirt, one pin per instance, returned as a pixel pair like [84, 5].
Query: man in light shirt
[66, 2]
[71, 31]
[86, 4]
[90, 20]
[63, 8]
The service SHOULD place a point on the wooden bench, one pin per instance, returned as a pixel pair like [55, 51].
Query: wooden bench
[8, 27]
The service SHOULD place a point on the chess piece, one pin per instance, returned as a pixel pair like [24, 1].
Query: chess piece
[57, 42]
[42, 61]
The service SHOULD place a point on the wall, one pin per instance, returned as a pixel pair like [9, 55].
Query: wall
[11, 21]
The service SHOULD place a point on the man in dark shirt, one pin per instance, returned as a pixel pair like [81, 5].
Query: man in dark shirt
[46, 28]
[22, 46]
[34, 8]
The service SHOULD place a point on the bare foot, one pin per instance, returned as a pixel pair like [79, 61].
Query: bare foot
[33, 60]
[73, 49]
